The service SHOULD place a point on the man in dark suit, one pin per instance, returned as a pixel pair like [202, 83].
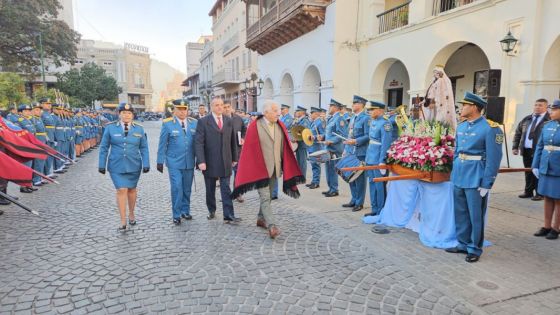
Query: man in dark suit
[525, 141]
[216, 154]
[239, 130]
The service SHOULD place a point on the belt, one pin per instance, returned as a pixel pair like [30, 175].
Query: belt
[50, 127]
[552, 148]
[374, 142]
[59, 127]
[40, 133]
[468, 157]
[79, 127]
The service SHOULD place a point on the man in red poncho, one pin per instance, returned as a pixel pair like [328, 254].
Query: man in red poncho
[267, 155]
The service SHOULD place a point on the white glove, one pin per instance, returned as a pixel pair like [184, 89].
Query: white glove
[536, 172]
[483, 191]
[382, 171]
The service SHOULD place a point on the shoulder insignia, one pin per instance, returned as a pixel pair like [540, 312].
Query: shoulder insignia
[499, 138]
[20, 119]
[493, 124]
[386, 117]
[168, 119]
[136, 124]
[387, 127]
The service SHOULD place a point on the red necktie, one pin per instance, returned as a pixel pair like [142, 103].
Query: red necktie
[220, 123]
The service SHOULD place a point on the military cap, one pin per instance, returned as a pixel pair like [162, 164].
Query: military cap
[473, 99]
[555, 104]
[375, 105]
[241, 110]
[23, 107]
[125, 106]
[36, 105]
[359, 99]
[45, 100]
[333, 102]
[323, 110]
[180, 103]
[301, 109]
[315, 109]
[285, 106]
[56, 106]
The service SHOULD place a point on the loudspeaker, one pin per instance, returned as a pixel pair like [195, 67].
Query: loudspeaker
[494, 81]
[495, 109]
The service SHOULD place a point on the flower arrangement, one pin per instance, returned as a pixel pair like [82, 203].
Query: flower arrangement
[423, 145]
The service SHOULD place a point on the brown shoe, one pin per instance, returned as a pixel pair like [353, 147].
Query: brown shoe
[261, 223]
[273, 231]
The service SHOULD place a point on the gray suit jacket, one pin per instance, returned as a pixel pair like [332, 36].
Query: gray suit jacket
[217, 148]
[271, 146]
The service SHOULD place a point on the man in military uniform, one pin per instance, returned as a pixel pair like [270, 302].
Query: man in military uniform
[478, 152]
[79, 132]
[24, 121]
[301, 151]
[318, 131]
[49, 123]
[380, 139]
[336, 125]
[41, 135]
[176, 150]
[12, 114]
[285, 116]
[357, 143]
[59, 137]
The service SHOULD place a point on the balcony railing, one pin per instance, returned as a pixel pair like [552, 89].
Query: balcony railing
[394, 18]
[441, 6]
[230, 44]
[226, 76]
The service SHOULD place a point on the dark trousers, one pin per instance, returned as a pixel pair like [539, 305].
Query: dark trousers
[210, 183]
[531, 182]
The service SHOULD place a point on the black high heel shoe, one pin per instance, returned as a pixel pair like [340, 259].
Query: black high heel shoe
[132, 222]
[122, 229]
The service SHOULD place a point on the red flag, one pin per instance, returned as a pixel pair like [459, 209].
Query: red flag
[24, 134]
[19, 148]
[14, 171]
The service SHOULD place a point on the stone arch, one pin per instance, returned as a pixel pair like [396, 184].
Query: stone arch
[268, 89]
[390, 82]
[311, 87]
[286, 92]
[551, 66]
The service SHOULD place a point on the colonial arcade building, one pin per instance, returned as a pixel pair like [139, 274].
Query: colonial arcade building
[312, 50]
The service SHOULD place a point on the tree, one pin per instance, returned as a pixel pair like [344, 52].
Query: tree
[12, 89]
[23, 23]
[88, 84]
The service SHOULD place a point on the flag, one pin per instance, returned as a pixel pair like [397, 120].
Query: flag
[17, 146]
[14, 171]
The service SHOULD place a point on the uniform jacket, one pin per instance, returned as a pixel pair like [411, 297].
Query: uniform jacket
[478, 138]
[26, 123]
[523, 128]
[176, 146]
[217, 148]
[40, 130]
[50, 124]
[317, 129]
[336, 124]
[380, 139]
[359, 130]
[59, 134]
[122, 153]
[547, 161]
[12, 117]
[303, 121]
[287, 120]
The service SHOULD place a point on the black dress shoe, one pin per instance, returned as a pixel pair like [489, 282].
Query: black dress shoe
[325, 192]
[232, 220]
[332, 194]
[525, 195]
[456, 250]
[357, 208]
[552, 235]
[274, 198]
[33, 188]
[25, 190]
[537, 198]
[186, 216]
[176, 221]
[542, 232]
[349, 205]
[313, 186]
[472, 258]
[122, 229]
[307, 185]
[211, 216]
[370, 214]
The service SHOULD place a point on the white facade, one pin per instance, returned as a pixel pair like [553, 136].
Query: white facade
[301, 71]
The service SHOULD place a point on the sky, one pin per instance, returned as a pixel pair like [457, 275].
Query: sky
[164, 26]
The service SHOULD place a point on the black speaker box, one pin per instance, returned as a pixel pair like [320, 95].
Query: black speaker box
[494, 82]
[495, 109]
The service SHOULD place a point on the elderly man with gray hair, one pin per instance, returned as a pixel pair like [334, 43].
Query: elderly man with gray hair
[267, 155]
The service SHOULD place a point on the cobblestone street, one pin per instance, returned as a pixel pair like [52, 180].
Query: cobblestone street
[73, 260]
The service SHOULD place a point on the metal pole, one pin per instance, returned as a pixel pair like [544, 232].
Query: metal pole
[42, 60]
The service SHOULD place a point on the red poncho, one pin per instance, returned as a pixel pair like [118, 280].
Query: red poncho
[251, 171]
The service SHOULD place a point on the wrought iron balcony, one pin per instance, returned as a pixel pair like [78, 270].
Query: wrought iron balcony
[394, 18]
[287, 20]
[441, 6]
[225, 77]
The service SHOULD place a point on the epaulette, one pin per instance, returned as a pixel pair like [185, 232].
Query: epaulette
[20, 119]
[386, 117]
[191, 119]
[168, 119]
[136, 124]
[493, 124]
[113, 122]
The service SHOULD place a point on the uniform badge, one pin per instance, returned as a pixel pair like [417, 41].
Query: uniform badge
[342, 123]
[137, 135]
[499, 138]
[387, 127]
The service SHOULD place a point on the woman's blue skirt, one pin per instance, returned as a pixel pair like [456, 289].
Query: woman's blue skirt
[549, 186]
[125, 180]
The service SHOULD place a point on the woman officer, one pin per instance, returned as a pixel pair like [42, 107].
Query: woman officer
[546, 167]
[125, 144]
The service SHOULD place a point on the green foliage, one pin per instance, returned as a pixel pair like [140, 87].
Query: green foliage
[88, 84]
[12, 89]
[21, 22]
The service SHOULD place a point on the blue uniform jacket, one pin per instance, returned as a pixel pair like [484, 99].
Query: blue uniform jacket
[12, 117]
[124, 154]
[380, 139]
[317, 129]
[548, 161]
[303, 121]
[477, 138]
[393, 120]
[26, 123]
[359, 130]
[50, 124]
[59, 134]
[336, 124]
[40, 130]
[176, 147]
[288, 120]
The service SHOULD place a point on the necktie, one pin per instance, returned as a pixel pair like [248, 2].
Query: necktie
[183, 126]
[125, 129]
[533, 126]
[220, 123]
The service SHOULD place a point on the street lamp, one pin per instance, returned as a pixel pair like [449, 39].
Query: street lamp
[251, 85]
[508, 43]
[42, 58]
